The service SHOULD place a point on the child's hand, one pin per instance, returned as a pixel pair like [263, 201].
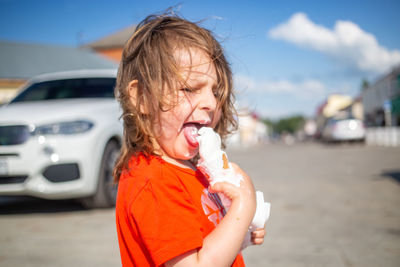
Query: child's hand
[257, 236]
[243, 197]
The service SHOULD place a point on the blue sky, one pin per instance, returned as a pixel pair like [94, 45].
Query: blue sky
[287, 56]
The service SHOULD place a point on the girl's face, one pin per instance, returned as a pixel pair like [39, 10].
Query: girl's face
[197, 106]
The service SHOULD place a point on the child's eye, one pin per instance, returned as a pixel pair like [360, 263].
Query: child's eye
[188, 90]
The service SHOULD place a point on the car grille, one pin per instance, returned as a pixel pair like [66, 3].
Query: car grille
[14, 179]
[14, 135]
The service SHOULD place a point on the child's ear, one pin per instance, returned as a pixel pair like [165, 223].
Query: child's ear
[132, 91]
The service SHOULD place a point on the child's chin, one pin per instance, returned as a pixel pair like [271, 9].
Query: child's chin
[190, 154]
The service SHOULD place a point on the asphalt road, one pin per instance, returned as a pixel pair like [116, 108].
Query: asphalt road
[331, 206]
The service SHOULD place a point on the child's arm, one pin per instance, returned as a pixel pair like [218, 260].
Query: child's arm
[223, 244]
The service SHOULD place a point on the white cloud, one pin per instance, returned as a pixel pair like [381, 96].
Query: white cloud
[347, 42]
[303, 89]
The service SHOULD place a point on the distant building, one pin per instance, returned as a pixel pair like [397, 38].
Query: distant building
[251, 130]
[355, 109]
[310, 128]
[381, 100]
[21, 61]
[333, 104]
[111, 46]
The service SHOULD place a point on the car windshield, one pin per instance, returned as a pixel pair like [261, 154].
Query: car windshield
[68, 88]
[338, 119]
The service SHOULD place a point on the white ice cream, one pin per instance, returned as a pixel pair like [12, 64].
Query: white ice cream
[212, 158]
[216, 167]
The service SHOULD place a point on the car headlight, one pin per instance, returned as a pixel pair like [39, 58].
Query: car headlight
[68, 127]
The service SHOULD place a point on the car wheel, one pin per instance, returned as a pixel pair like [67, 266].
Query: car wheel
[106, 192]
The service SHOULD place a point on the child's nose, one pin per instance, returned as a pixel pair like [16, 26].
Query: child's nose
[208, 101]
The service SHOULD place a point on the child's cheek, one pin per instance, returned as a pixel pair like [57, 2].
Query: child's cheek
[217, 117]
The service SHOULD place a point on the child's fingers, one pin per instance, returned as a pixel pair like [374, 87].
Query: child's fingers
[228, 189]
[257, 236]
[257, 241]
[260, 232]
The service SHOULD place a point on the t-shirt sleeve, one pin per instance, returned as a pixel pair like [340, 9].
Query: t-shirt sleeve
[166, 219]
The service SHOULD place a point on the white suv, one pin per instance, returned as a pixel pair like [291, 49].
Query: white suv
[60, 136]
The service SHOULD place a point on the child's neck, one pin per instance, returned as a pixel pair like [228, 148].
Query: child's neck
[180, 163]
[187, 164]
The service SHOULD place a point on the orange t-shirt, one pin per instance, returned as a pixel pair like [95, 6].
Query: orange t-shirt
[163, 211]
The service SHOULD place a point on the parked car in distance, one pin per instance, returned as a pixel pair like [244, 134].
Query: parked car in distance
[343, 129]
[60, 137]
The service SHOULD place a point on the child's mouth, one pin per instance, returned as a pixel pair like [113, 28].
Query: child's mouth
[190, 131]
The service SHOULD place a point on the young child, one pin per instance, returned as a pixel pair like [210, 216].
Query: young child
[174, 78]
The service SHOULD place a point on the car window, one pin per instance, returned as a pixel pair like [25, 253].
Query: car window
[68, 88]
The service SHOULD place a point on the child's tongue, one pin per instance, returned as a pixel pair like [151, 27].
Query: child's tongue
[190, 132]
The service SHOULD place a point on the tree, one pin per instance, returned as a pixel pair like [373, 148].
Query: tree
[364, 84]
[268, 122]
[289, 124]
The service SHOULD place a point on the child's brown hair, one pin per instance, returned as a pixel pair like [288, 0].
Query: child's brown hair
[148, 57]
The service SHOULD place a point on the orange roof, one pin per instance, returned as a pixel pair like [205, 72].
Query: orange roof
[117, 39]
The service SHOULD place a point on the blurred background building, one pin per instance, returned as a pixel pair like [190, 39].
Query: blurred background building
[251, 130]
[381, 100]
[378, 107]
